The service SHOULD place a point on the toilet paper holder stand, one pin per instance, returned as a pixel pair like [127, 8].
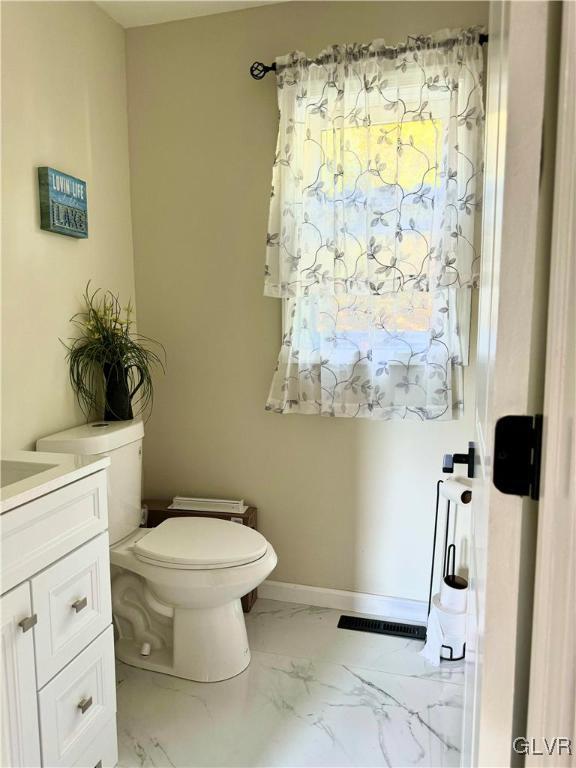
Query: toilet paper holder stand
[449, 552]
[460, 458]
[451, 657]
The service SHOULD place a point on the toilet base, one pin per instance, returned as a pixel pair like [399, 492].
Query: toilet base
[209, 645]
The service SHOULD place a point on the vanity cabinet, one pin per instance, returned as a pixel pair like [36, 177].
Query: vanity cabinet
[57, 643]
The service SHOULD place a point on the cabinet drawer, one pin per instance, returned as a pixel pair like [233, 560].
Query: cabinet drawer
[78, 703]
[73, 605]
[102, 752]
[38, 533]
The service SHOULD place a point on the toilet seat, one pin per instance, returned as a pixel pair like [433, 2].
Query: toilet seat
[201, 543]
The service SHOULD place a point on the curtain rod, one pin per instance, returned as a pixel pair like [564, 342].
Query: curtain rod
[258, 70]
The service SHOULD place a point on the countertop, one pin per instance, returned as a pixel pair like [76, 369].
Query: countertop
[66, 469]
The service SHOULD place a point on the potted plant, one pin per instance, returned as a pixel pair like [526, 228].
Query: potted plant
[109, 361]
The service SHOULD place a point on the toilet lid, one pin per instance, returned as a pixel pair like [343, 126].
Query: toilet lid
[201, 542]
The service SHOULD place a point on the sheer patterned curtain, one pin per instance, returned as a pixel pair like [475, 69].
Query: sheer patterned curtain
[371, 248]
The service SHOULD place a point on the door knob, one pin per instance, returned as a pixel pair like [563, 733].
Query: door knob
[517, 455]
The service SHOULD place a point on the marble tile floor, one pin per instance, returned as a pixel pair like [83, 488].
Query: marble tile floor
[313, 695]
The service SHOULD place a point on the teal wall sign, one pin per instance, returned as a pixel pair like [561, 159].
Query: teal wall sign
[63, 203]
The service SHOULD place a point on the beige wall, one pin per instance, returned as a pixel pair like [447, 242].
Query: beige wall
[346, 503]
[64, 105]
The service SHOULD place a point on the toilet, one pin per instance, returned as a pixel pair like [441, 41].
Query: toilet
[176, 588]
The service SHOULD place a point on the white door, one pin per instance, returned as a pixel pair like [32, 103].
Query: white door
[20, 738]
[510, 372]
[552, 702]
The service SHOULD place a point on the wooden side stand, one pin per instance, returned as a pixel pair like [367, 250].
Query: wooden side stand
[158, 512]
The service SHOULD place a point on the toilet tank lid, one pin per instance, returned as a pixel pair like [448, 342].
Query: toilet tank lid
[94, 438]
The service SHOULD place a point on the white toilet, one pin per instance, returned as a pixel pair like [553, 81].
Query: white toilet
[176, 588]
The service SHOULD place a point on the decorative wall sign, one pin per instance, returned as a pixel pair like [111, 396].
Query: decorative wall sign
[63, 203]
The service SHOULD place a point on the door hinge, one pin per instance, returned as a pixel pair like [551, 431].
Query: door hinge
[517, 455]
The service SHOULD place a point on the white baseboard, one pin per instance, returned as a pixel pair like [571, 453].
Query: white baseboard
[398, 608]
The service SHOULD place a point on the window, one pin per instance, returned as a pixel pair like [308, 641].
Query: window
[371, 230]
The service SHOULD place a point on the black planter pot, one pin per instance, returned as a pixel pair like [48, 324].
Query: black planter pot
[118, 405]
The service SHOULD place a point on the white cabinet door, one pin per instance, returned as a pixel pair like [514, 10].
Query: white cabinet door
[20, 742]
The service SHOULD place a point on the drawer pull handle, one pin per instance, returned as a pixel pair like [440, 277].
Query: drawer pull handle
[85, 704]
[28, 622]
[79, 605]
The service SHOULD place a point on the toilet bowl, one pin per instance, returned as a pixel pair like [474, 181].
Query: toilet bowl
[176, 588]
[193, 571]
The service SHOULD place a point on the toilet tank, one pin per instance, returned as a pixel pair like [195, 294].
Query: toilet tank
[122, 442]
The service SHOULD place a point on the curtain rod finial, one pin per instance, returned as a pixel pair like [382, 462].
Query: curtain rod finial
[258, 70]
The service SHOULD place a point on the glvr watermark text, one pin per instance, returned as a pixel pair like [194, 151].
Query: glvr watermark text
[557, 745]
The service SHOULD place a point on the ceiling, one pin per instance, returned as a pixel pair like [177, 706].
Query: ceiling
[139, 13]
